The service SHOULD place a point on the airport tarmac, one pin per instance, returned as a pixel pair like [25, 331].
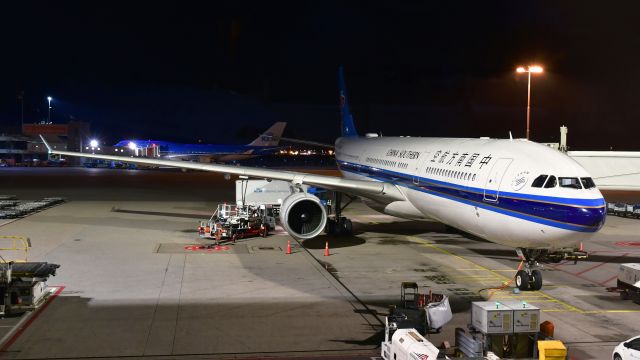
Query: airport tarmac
[131, 286]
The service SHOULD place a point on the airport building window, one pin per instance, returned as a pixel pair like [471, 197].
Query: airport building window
[551, 182]
[570, 182]
[539, 181]
[588, 183]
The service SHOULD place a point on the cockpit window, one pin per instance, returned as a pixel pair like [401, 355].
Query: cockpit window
[570, 182]
[551, 182]
[588, 183]
[539, 181]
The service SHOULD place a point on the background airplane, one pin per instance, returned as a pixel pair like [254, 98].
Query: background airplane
[265, 144]
[512, 192]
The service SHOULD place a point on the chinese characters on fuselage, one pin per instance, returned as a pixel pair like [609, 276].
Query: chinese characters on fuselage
[456, 159]
[447, 157]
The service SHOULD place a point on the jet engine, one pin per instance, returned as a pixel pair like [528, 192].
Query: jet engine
[303, 215]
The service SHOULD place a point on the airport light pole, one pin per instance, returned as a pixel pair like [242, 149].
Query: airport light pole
[535, 69]
[49, 113]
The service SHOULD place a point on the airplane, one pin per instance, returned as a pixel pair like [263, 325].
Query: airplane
[265, 144]
[511, 192]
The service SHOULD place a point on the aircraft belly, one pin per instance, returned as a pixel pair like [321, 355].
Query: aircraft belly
[494, 226]
[452, 213]
[401, 209]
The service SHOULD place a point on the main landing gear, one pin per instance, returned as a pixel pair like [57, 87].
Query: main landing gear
[336, 223]
[530, 277]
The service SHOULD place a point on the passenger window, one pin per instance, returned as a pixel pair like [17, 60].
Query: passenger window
[474, 177]
[539, 181]
[570, 182]
[551, 182]
[588, 183]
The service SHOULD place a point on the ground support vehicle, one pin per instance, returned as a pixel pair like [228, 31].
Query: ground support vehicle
[619, 209]
[632, 211]
[628, 283]
[23, 286]
[425, 312]
[233, 222]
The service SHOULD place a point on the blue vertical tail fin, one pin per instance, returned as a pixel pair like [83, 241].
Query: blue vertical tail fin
[348, 128]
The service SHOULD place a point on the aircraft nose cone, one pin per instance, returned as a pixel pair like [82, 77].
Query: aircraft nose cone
[596, 216]
[601, 217]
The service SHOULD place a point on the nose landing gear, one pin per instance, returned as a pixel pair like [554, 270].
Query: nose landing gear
[530, 278]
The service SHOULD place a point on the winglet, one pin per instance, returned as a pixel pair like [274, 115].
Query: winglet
[46, 143]
[271, 137]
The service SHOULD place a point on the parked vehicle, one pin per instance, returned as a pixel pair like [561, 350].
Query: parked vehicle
[627, 350]
[619, 209]
[234, 222]
[632, 211]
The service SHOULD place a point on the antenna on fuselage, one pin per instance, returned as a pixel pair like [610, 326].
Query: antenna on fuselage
[510, 136]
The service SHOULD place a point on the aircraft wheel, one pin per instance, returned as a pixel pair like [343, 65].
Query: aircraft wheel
[624, 295]
[536, 280]
[347, 226]
[522, 280]
[330, 228]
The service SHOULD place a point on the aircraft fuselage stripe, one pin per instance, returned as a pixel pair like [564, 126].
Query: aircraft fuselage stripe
[572, 214]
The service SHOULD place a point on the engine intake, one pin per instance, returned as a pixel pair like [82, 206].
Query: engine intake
[303, 215]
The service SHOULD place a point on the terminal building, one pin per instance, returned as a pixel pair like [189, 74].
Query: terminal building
[24, 148]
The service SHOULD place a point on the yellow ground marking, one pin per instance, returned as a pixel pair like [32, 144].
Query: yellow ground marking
[546, 297]
[471, 276]
[568, 307]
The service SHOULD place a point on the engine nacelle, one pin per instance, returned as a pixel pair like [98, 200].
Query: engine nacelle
[303, 215]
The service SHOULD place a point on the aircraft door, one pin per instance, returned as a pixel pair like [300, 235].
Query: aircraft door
[492, 184]
[420, 166]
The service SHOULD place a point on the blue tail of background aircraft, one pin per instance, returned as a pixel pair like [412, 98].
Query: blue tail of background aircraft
[347, 126]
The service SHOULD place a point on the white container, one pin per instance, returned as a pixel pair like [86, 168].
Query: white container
[526, 317]
[408, 344]
[492, 317]
[629, 274]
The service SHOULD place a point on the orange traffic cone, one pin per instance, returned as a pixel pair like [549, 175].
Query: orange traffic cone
[326, 249]
[581, 246]
[288, 247]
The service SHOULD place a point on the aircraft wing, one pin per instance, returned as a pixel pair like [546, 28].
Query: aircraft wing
[371, 189]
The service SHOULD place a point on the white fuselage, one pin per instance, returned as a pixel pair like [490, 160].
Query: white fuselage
[481, 186]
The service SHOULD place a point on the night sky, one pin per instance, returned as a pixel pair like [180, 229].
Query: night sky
[223, 71]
